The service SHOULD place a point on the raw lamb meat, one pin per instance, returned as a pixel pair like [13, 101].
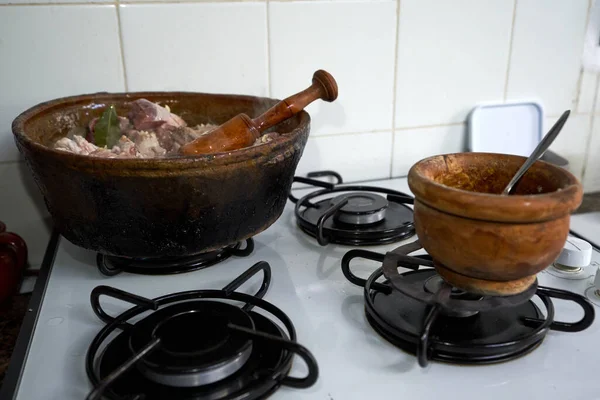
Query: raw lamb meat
[150, 131]
[145, 115]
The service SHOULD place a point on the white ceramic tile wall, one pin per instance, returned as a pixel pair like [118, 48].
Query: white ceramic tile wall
[352, 40]
[409, 71]
[545, 61]
[205, 47]
[572, 141]
[587, 92]
[451, 55]
[414, 144]
[363, 156]
[53, 51]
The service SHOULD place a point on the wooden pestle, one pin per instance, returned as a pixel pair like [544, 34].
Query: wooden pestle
[242, 131]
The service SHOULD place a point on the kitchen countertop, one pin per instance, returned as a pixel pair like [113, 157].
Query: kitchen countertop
[11, 317]
[11, 313]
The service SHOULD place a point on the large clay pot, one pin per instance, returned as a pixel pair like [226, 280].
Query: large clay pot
[169, 207]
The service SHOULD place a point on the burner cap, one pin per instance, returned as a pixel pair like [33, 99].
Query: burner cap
[196, 346]
[368, 218]
[362, 208]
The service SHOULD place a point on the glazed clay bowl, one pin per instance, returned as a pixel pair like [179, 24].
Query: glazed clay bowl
[483, 242]
[169, 207]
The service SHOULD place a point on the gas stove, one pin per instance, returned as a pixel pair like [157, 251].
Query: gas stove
[357, 356]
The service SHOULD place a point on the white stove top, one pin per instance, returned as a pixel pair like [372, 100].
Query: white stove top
[328, 313]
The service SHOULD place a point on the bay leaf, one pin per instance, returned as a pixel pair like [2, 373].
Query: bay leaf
[107, 132]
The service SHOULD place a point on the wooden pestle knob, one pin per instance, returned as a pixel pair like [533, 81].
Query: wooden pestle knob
[242, 131]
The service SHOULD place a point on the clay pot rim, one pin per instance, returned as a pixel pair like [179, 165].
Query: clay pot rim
[498, 208]
[274, 147]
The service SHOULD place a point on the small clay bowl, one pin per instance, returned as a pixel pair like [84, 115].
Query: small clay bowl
[483, 242]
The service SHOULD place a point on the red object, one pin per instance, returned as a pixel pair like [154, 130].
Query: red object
[13, 258]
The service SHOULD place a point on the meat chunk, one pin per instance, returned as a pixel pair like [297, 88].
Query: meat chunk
[147, 144]
[185, 135]
[104, 153]
[164, 135]
[146, 115]
[68, 145]
[266, 138]
[77, 130]
[126, 148]
[171, 138]
[77, 145]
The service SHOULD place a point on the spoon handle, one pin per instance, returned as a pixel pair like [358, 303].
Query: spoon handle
[538, 152]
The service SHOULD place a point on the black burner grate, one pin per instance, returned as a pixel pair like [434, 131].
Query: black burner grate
[111, 265]
[450, 325]
[354, 215]
[229, 352]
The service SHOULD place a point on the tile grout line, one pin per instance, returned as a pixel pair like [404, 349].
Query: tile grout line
[328, 1]
[441, 125]
[168, 2]
[314, 136]
[269, 78]
[121, 46]
[510, 49]
[578, 90]
[591, 131]
[110, 2]
[11, 162]
[581, 72]
[394, 88]
[374, 131]
[593, 110]
[405, 128]
[75, 3]
[573, 112]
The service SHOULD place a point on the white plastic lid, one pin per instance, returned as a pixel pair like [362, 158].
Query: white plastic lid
[505, 128]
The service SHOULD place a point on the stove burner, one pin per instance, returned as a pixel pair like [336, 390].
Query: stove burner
[419, 313]
[359, 216]
[360, 208]
[111, 265]
[195, 346]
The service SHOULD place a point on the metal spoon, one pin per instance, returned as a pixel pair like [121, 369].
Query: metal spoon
[538, 152]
